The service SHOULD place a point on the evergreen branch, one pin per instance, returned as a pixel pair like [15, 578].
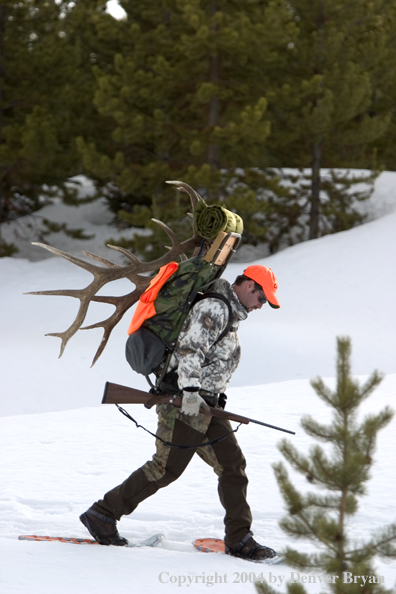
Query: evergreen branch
[329, 502]
[383, 543]
[322, 391]
[344, 381]
[264, 588]
[292, 588]
[315, 429]
[372, 424]
[326, 472]
[365, 443]
[302, 560]
[304, 524]
[316, 528]
[292, 497]
[369, 386]
[295, 459]
[304, 527]
[295, 588]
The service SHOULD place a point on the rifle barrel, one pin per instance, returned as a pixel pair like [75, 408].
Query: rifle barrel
[271, 426]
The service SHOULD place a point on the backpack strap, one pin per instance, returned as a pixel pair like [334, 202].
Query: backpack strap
[221, 297]
[158, 385]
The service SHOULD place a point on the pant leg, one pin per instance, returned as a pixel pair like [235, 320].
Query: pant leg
[229, 463]
[167, 464]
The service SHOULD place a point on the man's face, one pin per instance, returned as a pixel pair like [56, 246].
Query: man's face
[252, 298]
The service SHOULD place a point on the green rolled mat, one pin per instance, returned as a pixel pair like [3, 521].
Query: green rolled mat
[210, 220]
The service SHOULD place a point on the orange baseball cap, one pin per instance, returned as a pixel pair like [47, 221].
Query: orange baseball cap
[266, 278]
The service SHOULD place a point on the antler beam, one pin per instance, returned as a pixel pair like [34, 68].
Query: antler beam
[111, 272]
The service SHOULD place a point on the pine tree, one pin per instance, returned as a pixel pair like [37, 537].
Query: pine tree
[18, 26]
[47, 50]
[188, 101]
[384, 87]
[332, 103]
[340, 472]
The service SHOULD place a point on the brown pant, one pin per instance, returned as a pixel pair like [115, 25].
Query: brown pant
[168, 463]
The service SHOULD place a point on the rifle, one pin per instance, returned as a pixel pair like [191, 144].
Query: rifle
[116, 394]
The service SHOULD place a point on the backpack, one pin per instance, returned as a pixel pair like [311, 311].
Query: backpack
[164, 307]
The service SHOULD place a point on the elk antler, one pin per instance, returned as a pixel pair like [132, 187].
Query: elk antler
[103, 275]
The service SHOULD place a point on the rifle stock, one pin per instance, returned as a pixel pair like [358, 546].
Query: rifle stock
[117, 394]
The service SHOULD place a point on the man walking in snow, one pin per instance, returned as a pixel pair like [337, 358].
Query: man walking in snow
[200, 370]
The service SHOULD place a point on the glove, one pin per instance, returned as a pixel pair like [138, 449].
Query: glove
[222, 400]
[192, 402]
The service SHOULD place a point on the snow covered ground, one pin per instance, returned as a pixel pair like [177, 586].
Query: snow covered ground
[61, 450]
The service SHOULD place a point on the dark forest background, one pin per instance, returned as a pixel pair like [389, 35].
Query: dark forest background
[227, 96]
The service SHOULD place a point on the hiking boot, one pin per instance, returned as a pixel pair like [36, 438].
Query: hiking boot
[248, 548]
[102, 528]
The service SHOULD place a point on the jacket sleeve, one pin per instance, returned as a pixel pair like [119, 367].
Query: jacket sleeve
[203, 326]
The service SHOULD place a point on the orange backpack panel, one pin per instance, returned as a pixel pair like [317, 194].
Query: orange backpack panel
[145, 308]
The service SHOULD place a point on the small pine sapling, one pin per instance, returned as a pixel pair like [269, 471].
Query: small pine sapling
[340, 473]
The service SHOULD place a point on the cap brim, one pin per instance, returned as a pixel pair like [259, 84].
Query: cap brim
[272, 300]
[273, 305]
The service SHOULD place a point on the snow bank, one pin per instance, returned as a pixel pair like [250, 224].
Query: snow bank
[61, 449]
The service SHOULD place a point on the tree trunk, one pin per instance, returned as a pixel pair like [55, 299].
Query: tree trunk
[315, 193]
[2, 74]
[2, 69]
[214, 107]
[317, 148]
[214, 113]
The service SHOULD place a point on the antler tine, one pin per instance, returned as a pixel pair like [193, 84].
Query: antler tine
[82, 263]
[176, 245]
[183, 187]
[102, 260]
[67, 334]
[126, 253]
[171, 234]
[122, 304]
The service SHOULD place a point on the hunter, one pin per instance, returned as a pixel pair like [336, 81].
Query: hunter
[200, 371]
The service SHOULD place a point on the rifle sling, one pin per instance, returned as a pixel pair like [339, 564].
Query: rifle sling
[177, 445]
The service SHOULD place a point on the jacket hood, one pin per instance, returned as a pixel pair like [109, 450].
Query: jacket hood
[223, 286]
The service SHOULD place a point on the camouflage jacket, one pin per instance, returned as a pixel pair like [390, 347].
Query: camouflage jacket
[200, 361]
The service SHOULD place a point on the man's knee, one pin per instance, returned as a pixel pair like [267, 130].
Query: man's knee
[230, 456]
